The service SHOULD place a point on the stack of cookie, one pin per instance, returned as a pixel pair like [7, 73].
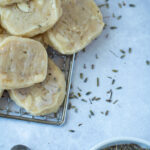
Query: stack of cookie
[32, 79]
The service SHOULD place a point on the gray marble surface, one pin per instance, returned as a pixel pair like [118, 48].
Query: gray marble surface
[129, 117]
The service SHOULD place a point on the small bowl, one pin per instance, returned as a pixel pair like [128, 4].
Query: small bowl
[117, 141]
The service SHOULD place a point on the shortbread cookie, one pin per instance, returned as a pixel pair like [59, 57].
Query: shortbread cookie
[23, 62]
[80, 23]
[45, 97]
[30, 18]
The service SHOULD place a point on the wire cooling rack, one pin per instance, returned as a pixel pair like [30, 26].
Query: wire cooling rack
[8, 109]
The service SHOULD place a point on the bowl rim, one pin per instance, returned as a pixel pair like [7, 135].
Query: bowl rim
[121, 139]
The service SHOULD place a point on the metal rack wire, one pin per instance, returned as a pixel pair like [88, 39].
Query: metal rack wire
[8, 109]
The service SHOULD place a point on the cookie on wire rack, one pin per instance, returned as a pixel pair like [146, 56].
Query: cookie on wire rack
[30, 18]
[80, 23]
[42, 98]
[23, 62]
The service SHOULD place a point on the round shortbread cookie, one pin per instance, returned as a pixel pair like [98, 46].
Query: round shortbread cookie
[80, 23]
[23, 62]
[45, 97]
[30, 18]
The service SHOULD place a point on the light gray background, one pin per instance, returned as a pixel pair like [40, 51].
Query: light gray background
[129, 117]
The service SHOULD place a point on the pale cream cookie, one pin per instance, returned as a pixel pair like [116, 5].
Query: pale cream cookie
[80, 23]
[30, 18]
[23, 62]
[45, 97]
